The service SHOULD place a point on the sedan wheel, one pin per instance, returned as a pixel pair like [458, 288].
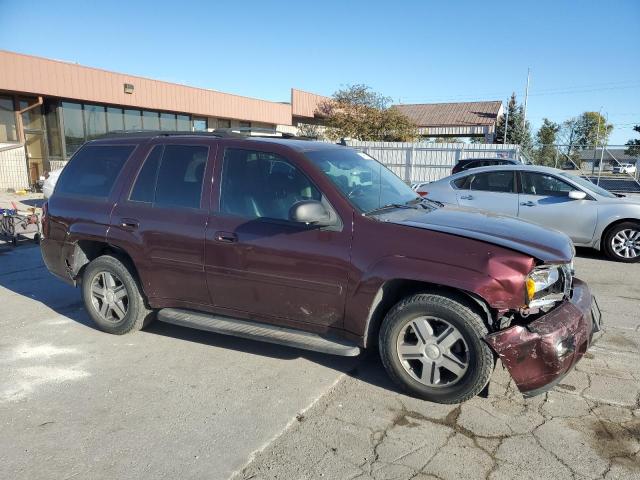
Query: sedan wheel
[622, 242]
[626, 243]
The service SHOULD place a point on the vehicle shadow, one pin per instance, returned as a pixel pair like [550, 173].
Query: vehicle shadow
[33, 202]
[584, 252]
[23, 272]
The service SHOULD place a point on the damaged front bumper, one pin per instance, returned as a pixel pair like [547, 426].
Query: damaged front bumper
[540, 354]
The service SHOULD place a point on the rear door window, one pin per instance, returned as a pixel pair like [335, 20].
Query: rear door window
[93, 170]
[172, 176]
[500, 181]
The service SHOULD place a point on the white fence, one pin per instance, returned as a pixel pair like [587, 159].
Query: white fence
[427, 162]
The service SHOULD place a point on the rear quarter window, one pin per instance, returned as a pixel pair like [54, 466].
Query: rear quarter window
[93, 170]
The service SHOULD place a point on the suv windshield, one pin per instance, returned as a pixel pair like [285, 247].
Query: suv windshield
[367, 183]
[589, 185]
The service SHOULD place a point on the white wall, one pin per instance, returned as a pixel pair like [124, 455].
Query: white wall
[13, 167]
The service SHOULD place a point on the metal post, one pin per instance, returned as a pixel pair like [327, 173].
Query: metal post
[556, 158]
[601, 159]
[526, 97]
[595, 148]
[506, 126]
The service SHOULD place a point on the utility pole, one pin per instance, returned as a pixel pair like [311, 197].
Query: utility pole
[526, 97]
[506, 126]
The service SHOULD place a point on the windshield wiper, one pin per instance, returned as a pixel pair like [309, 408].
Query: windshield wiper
[431, 200]
[388, 206]
[418, 200]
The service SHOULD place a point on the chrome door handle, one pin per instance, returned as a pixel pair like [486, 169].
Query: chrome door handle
[528, 204]
[129, 223]
[226, 237]
[467, 197]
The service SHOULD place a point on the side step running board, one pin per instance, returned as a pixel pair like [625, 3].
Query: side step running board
[258, 331]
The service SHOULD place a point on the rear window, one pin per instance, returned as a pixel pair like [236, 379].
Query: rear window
[93, 170]
[172, 176]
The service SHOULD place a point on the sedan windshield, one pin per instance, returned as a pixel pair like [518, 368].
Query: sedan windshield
[367, 183]
[583, 182]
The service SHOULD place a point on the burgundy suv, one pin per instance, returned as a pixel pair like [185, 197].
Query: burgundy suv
[314, 246]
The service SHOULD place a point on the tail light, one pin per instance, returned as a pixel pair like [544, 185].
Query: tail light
[423, 194]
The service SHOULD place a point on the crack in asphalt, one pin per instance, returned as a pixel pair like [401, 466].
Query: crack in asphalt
[615, 443]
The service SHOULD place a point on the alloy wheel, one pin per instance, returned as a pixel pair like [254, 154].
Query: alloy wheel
[626, 243]
[109, 296]
[433, 351]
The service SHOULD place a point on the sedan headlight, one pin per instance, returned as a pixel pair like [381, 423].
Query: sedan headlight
[548, 285]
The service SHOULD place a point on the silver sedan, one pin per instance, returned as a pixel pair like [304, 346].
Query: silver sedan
[591, 216]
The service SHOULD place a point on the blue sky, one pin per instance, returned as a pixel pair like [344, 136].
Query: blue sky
[583, 55]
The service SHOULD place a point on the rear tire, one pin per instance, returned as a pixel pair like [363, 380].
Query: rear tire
[622, 242]
[113, 297]
[433, 348]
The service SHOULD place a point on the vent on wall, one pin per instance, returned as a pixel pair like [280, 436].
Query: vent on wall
[128, 88]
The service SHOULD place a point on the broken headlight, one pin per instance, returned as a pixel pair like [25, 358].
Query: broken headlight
[548, 285]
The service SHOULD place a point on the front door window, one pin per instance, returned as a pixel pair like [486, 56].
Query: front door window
[262, 185]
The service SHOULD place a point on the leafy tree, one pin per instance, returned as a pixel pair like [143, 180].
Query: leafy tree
[518, 132]
[309, 130]
[592, 130]
[634, 145]
[546, 151]
[357, 112]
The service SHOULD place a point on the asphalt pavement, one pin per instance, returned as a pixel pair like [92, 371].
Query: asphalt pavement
[170, 402]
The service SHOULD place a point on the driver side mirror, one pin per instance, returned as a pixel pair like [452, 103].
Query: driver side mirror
[577, 195]
[311, 212]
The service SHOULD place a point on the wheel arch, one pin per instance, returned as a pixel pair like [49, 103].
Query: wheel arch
[85, 251]
[393, 291]
[612, 225]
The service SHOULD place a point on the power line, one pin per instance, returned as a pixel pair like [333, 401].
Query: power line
[555, 91]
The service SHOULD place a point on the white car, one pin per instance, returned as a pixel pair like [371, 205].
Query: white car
[590, 215]
[629, 168]
[50, 183]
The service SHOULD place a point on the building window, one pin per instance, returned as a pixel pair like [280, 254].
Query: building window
[199, 124]
[224, 123]
[132, 120]
[73, 126]
[115, 121]
[184, 123]
[150, 120]
[245, 124]
[168, 122]
[95, 121]
[54, 136]
[8, 132]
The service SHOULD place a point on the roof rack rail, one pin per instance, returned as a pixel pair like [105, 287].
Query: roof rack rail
[239, 132]
[161, 133]
[259, 132]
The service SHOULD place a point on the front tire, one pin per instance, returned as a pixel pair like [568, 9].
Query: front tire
[113, 297]
[432, 347]
[622, 242]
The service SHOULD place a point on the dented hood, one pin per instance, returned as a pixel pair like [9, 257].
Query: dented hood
[549, 246]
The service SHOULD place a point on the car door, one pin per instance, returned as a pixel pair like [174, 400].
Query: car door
[161, 221]
[259, 263]
[544, 199]
[493, 191]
